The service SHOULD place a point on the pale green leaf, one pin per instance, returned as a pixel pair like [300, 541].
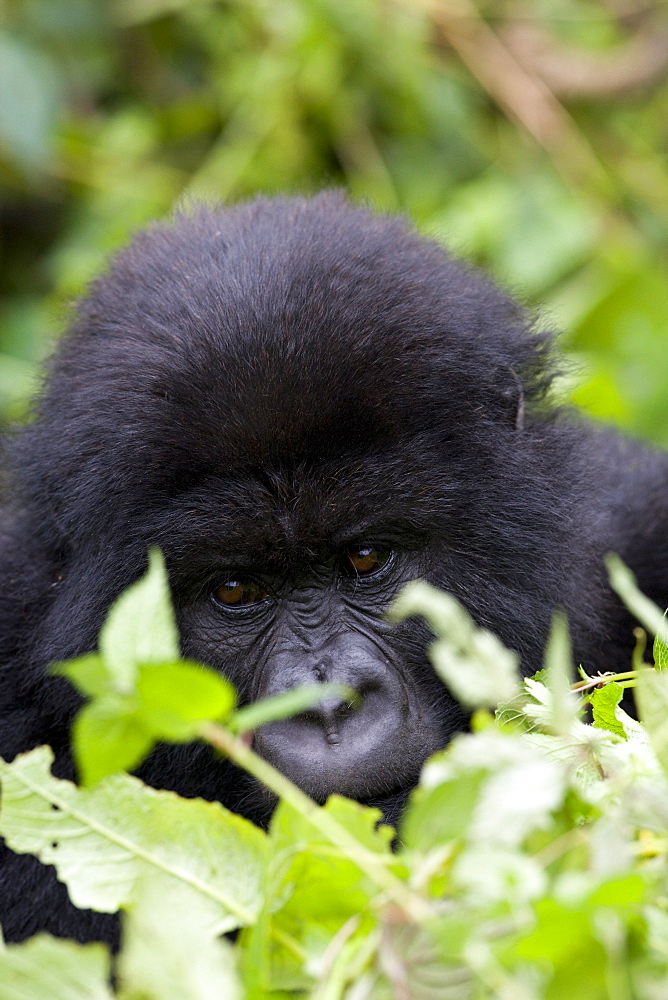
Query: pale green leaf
[522, 789]
[282, 706]
[317, 887]
[88, 673]
[651, 694]
[564, 703]
[175, 698]
[170, 951]
[479, 670]
[48, 968]
[102, 840]
[438, 815]
[660, 651]
[140, 627]
[170, 702]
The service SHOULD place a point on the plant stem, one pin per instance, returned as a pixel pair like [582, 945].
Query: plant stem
[604, 679]
[370, 863]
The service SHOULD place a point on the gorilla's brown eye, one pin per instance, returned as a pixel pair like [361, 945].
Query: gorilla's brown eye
[364, 560]
[239, 593]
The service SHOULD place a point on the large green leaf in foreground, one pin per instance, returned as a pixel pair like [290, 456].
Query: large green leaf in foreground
[104, 839]
[45, 967]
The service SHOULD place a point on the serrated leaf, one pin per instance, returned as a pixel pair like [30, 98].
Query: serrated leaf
[140, 627]
[103, 840]
[604, 701]
[48, 968]
[660, 650]
[169, 950]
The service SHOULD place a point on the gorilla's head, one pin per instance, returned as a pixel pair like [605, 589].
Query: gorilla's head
[305, 406]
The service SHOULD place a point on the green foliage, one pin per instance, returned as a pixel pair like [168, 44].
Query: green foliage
[660, 652]
[61, 970]
[530, 862]
[604, 702]
[112, 112]
[104, 840]
[139, 693]
[474, 664]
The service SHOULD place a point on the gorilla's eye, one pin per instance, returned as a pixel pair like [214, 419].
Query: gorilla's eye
[365, 560]
[239, 593]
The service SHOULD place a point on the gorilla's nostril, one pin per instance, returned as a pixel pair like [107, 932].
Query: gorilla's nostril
[331, 713]
[320, 671]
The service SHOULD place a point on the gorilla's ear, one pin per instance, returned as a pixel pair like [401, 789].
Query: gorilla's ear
[512, 394]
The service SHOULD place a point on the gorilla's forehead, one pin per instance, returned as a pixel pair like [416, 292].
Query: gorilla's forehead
[278, 314]
[285, 516]
[292, 335]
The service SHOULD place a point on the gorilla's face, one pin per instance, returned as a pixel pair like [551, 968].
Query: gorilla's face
[317, 621]
[305, 407]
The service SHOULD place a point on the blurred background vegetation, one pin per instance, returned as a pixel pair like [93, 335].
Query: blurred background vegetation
[528, 134]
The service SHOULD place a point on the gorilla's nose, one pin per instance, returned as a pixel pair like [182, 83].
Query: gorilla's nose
[332, 712]
[355, 744]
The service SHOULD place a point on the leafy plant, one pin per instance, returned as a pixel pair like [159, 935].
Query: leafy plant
[529, 864]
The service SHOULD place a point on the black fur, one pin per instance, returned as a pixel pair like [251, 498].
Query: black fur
[256, 390]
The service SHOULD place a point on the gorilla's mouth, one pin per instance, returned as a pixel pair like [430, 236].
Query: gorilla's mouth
[367, 762]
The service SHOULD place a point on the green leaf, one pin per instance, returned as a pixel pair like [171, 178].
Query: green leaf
[479, 670]
[438, 815]
[48, 968]
[291, 828]
[624, 583]
[564, 703]
[660, 650]
[520, 791]
[282, 706]
[604, 701]
[563, 941]
[88, 673]
[104, 839]
[315, 887]
[174, 699]
[140, 627]
[169, 952]
[171, 702]
[651, 693]
[108, 736]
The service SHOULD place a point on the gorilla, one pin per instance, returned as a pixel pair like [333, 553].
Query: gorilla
[305, 406]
